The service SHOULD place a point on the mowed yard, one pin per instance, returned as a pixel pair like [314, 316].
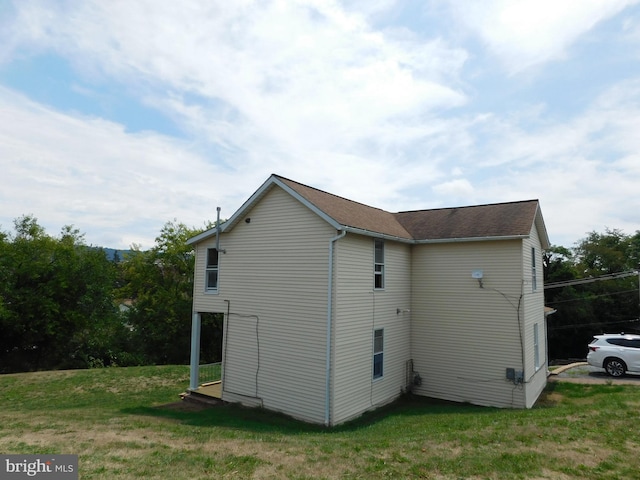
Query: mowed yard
[128, 423]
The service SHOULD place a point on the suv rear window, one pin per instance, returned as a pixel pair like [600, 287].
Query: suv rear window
[624, 342]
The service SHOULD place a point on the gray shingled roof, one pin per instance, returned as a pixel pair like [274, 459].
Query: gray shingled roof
[513, 219]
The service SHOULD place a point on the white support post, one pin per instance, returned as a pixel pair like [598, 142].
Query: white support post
[195, 351]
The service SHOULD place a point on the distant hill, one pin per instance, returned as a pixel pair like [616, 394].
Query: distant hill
[112, 252]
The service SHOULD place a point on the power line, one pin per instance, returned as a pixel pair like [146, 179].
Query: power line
[591, 297]
[580, 281]
[600, 324]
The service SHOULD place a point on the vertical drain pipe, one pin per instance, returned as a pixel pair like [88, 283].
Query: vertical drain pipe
[329, 318]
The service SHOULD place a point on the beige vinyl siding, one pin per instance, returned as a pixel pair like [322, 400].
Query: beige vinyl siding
[359, 310]
[534, 313]
[242, 361]
[464, 336]
[273, 278]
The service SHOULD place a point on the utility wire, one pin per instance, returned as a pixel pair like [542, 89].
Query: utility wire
[592, 297]
[566, 327]
[580, 281]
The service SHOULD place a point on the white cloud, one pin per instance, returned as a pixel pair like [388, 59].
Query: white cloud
[460, 187]
[306, 73]
[278, 87]
[310, 90]
[585, 170]
[524, 33]
[76, 170]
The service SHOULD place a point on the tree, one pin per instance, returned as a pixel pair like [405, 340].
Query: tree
[558, 263]
[159, 283]
[599, 253]
[56, 296]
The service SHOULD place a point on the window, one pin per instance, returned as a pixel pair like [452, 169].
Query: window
[536, 347]
[534, 280]
[378, 348]
[624, 342]
[211, 275]
[378, 264]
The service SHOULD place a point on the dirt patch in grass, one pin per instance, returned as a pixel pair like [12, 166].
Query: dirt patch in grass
[585, 453]
[549, 398]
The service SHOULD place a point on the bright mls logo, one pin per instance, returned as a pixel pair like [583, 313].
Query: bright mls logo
[51, 467]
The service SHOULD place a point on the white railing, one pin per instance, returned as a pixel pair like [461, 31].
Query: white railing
[209, 372]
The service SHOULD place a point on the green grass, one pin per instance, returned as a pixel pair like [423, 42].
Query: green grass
[126, 423]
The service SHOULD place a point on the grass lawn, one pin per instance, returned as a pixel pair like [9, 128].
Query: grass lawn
[128, 423]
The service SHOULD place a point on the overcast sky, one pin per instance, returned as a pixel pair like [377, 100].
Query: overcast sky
[118, 116]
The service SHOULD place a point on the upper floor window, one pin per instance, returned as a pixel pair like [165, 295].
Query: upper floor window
[211, 275]
[378, 264]
[534, 278]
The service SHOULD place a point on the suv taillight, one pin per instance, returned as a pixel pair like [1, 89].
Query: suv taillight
[593, 349]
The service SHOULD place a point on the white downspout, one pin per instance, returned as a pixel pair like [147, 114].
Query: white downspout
[329, 319]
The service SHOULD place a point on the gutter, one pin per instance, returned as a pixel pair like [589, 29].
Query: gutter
[470, 239]
[371, 233]
[327, 398]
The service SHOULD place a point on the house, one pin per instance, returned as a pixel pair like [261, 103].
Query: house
[332, 308]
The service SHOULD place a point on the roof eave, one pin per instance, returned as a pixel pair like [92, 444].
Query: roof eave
[542, 229]
[321, 213]
[470, 239]
[212, 232]
[254, 199]
[371, 233]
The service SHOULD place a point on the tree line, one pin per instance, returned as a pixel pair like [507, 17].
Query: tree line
[64, 304]
[602, 302]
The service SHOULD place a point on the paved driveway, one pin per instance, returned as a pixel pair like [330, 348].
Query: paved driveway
[584, 373]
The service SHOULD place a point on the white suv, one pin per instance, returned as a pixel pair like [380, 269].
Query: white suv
[616, 353]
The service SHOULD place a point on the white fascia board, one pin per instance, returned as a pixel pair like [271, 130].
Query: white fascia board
[255, 198]
[252, 200]
[247, 205]
[471, 239]
[370, 233]
[542, 229]
[202, 236]
[321, 213]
